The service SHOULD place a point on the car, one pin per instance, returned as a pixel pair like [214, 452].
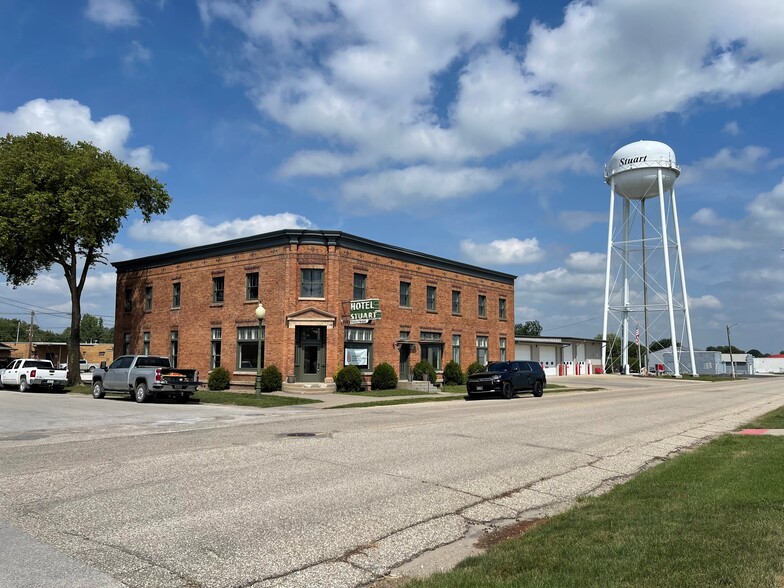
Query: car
[84, 366]
[507, 378]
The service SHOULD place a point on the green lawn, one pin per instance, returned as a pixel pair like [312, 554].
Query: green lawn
[711, 517]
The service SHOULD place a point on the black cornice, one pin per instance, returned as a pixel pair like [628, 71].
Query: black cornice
[309, 237]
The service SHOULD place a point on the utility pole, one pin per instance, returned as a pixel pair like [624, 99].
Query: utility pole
[30, 335]
[732, 362]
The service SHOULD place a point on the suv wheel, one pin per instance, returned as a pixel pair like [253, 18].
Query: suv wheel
[538, 388]
[507, 391]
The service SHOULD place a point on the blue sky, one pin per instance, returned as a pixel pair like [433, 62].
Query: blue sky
[475, 130]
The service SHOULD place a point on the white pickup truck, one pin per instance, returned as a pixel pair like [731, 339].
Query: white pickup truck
[28, 373]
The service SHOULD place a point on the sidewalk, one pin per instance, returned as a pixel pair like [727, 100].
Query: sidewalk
[331, 400]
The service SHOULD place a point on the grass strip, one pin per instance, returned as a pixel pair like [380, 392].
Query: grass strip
[710, 517]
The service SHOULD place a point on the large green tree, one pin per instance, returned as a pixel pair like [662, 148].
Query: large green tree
[62, 204]
[528, 328]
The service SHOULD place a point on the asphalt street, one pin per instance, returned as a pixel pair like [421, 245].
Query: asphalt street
[112, 493]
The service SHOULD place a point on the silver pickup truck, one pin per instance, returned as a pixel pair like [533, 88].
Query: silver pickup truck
[144, 377]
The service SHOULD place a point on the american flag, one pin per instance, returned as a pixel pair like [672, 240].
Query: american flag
[637, 335]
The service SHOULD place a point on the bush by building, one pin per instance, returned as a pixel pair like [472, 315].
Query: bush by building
[384, 377]
[219, 379]
[474, 368]
[424, 371]
[348, 379]
[453, 374]
[271, 379]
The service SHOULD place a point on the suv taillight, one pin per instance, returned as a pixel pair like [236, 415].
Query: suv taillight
[158, 375]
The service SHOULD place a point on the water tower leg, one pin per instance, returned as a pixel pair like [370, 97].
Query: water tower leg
[626, 228]
[607, 277]
[675, 362]
[683, 282]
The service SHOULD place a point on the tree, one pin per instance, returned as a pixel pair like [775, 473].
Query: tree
[755, 352]
[92, 329]
[63, 204]
[528, 328]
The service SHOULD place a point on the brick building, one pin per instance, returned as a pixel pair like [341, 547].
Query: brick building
[198, 306]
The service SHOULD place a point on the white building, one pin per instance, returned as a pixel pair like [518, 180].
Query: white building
[561, 356]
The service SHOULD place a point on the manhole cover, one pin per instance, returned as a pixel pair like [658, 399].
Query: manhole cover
[303, 434]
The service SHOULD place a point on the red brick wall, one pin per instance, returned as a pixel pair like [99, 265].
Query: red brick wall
[279, 269]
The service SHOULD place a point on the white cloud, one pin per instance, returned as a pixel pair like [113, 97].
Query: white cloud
[708, 301]
[503, 251]
[575, 221]
[710, 244]
[766, 213]
[564, 286]
[193, 230]
[112, 13]
[72, 120]
[706, 217]
[395, 189]
[137, 54]
[586, 262]
[731, 128]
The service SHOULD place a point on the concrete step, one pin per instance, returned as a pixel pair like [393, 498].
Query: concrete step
[309, 388]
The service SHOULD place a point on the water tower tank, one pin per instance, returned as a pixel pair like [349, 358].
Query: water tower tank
[634, 169]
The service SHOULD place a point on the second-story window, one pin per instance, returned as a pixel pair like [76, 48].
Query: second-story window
[217, 290]
[502, 309]
[455, 301]
[482, 305]
[431, 298]
[128, 307]
[176, 295]
[311, 283]
[405, 294]
[360, 286]
[252, 286]
[147, 298]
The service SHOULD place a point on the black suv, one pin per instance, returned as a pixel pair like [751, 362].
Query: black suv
[507, 378]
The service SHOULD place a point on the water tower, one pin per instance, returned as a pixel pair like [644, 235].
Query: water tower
[645, 285]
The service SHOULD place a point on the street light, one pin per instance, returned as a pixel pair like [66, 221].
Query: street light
[732, 363]
[261, 312]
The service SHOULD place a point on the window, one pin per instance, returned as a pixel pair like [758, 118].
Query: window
[126, 343]
[455, 301]
[174, 338]
[311, 283]
[431, 298]
[358, 348]
[252, 286]
[481, 349]
[404, 335]
[147, 298]
[405, 294]
[248, 348]
[502, 309]
[456, 348]
[128, 300]
[176, 295]
[482, 305]
[215, 347]
[121, 362]
[502, 347]
[146, 343]
[360, 286]
[217, 290]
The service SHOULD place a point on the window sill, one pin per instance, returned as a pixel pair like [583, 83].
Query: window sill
[252, 301]
[432, 311]
[482, 318]
[214, 304]
[245, 372]
[460, 314]
[311, 298]
[175, 308]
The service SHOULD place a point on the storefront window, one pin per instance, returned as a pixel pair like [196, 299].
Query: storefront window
[358, 348]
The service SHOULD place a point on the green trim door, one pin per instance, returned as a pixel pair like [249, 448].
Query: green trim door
[310, 353]
[405, 363]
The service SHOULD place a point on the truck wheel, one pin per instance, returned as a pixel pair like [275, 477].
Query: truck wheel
[538, 389]
[92, 369]
[141, 392]
[98, 391]
[507, 391]
[23, 385]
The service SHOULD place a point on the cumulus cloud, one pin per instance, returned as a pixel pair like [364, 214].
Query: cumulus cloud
[137, 54]
[193, 230]
[112, 13]
[731, 128]
[706, 217]
[708, 301]
[586, 262]
[72, 120]
[766, 212]
[504, 251]
[579, 289]
[394, 189]
[711, 244]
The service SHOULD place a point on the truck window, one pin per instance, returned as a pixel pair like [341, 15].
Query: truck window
[148, 361]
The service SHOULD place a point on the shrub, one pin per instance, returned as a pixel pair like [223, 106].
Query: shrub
[423, 370]
[271, 379]
[349, 379]
[474, 368]
[384, 377]
[218, 379]
[453, 374]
